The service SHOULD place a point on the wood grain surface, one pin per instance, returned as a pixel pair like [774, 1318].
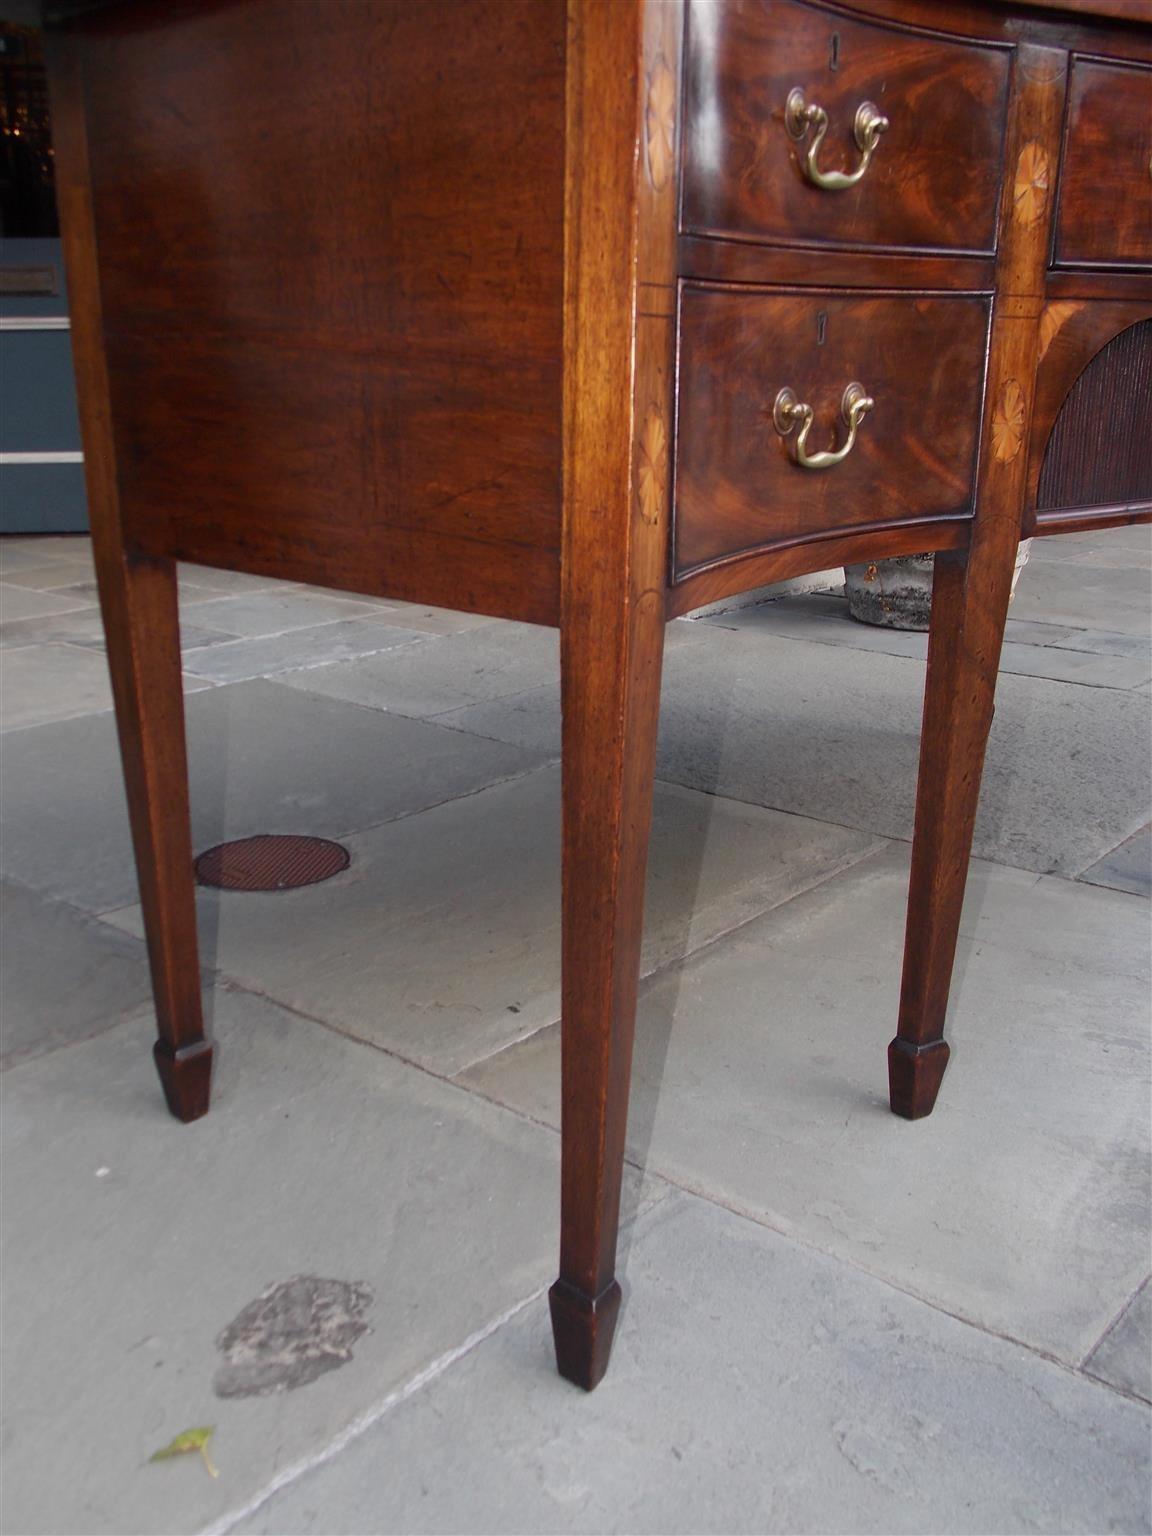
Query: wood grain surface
[333, 319]
[138, 601]
[619, 338]
[487, 304]
[935, 177]
[1105, 213]
[970, 606]
[738, 487]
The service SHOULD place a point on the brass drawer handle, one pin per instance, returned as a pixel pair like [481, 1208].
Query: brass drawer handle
[787, 411]
[800, 115]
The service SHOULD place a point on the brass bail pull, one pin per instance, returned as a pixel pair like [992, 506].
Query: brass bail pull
[789, 412]
[800, 115]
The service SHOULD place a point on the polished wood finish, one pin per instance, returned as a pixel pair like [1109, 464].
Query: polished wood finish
[969, 611]
[142, 632]
[1120, 10]
[739, 489]
[441, 330]
[737, 261]
[1114, 9]
[620, 261]
[1086, 26]
[934, 180]
[1105, 212]
[870, 541]
[331, 358]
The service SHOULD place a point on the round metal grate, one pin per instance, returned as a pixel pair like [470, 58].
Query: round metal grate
[271, 863]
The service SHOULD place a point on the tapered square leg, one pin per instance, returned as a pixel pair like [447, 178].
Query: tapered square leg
[610, 712]
[186, 1077]
[915, 1073]
[970, 602]
[582, 1330]
[139, 603]
[619, 371]
[958, 708]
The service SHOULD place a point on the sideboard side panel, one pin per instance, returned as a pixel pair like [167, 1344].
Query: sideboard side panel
[332, 309]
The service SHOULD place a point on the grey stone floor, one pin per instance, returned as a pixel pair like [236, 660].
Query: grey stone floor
[834, 1321]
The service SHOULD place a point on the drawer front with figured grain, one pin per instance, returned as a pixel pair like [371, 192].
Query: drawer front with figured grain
[917, 117]
[741, 485]
[1105, 210]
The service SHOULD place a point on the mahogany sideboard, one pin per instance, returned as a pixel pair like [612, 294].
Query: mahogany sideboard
[588, 312]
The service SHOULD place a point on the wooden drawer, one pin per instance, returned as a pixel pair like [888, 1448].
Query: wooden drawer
[1105, 209]
[738, 486]
[934, 179]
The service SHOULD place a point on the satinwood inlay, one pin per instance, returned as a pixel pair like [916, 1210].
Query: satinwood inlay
[1008, 422]
[660, 123]
[651, 466]
[1030, 190]
[1052, 320]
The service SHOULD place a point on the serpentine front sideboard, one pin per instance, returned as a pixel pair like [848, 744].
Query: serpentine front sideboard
[587, 314]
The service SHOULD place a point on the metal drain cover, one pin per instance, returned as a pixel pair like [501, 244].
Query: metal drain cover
[271, 863]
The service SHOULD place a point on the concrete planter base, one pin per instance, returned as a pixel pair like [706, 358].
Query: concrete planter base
[897, 594]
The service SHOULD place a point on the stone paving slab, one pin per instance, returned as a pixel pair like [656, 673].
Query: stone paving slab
[430, 620]
[756, 1386]
[15, 555]
[1126, 868]
[1106, 642]
[51, 682]
[1124, 548]
[834, 734]
[442, 940]
[1114, 594]
[194, 588]
[263, 759]
[298, 649]
[66, 976]
[42, 683]
[760, 1081]
[132, 1242]
[1062, 654]
[274, 612]
[1091, 666]
[44, 547]
[216, 579]
[460, 669]
[824, 617]
[86, 627]
[503, 663]
[53, 574]
[21, 603]
[1124, 1355]
[531, 719]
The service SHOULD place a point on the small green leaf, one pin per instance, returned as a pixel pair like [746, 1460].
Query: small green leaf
[191, 1440]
